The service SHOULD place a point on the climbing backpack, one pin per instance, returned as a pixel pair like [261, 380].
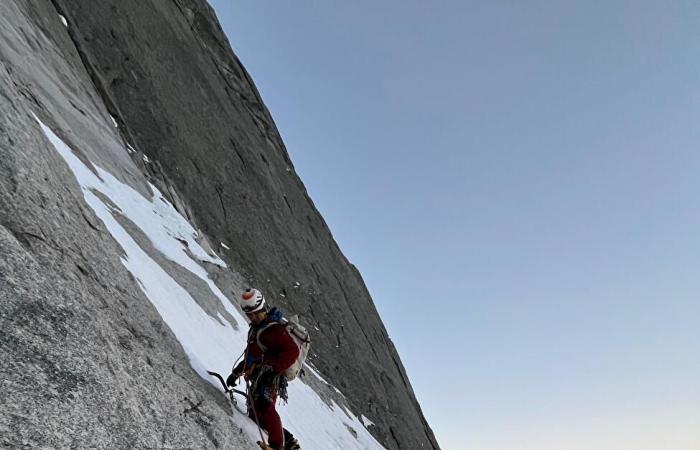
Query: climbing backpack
[300, 337]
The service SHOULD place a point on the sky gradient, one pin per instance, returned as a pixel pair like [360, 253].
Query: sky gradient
[518, 183]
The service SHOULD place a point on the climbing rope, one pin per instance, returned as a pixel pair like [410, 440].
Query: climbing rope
[263, 442]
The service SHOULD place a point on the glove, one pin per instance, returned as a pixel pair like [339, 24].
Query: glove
[232, 379]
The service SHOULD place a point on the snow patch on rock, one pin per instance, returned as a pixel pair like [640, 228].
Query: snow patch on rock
[365, 421]
[209, 344]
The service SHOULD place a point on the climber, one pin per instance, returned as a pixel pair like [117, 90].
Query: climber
[269, 353]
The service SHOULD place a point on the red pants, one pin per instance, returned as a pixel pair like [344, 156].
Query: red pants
[270, 421]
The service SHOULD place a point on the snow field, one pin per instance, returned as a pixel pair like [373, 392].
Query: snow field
[209, 344]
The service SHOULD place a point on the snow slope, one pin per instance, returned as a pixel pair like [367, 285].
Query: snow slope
[210, 344]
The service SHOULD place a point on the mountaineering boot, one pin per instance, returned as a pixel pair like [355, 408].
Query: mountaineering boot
[290, 443]
[264, 446]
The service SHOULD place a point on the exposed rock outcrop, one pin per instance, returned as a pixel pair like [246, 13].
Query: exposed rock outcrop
[87, 362]
[195, 124]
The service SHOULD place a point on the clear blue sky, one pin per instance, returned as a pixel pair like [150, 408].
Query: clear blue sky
[519, 184]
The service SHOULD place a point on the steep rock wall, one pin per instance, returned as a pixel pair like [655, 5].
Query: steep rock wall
[87, 362]
[166, 73]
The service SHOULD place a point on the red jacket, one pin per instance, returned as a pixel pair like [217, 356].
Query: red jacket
[280, 349]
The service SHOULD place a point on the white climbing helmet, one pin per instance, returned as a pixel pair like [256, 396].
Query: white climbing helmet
[252, 300]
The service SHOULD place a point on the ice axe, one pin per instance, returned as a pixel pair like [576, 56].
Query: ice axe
[228, 390]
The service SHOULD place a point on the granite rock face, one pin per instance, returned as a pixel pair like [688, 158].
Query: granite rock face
[166, 74]
[87, 362]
